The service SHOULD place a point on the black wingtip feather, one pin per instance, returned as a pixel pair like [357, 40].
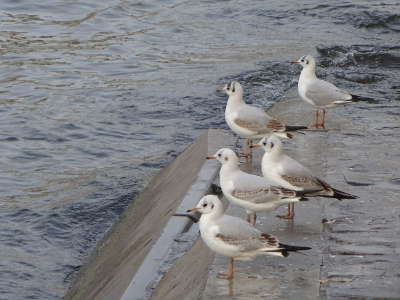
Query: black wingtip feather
[295, 128]
[289, 248]
[342, 195]
[357, 98]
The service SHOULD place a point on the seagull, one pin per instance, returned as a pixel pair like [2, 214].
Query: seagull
[233, 237]
[284, 171]
[320, 93]
[249, 191]
[251, 122]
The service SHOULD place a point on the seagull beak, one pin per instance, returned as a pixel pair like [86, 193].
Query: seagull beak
[295, 62]
[255, 146]
[193, 209]
[221, 90]
[211, 157]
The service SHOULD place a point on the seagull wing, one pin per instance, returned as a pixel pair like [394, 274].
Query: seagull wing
[258, 121]
[299, 176]
[236, 232]
[264, 195]
[256, 189]
[324, 93]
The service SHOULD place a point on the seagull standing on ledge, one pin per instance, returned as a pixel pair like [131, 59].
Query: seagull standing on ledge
[251, 122]
[233, 237]
[320, 93]
[284, 171]
[249, 191]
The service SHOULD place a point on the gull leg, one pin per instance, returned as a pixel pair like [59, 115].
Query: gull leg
[316, 123]
[323, 119]
[231, 271]
[249, 144]
[291, 210]
[248, 152]
[253, 219]
[290, 214]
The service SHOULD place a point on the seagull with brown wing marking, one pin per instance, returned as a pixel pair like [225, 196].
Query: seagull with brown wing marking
[235, 238]
[284, 171]
[251, 122]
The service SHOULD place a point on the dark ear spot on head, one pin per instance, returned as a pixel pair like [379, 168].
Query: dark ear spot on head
[226, 158]
[272, 145]
[212, 206]
[233, 87]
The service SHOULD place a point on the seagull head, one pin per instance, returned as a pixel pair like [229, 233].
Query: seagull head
[225, 156]
[232, 88]
[270, 144]
[208, 204]
[305, 61]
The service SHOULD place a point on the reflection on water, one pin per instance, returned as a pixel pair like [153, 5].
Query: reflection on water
[96, 96]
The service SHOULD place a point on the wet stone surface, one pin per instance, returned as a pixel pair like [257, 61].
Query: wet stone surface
[355, 243]
[361, 255]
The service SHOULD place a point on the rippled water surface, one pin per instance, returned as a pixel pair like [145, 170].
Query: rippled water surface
[96, 96]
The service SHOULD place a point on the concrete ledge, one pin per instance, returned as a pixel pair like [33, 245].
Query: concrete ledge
[130, 259]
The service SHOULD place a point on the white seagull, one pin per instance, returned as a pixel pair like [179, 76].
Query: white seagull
[249, 191]
[233, 237]
[284, 171]
[251, 122]
[320, 93]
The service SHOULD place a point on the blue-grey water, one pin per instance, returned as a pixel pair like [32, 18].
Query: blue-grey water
[96, 96]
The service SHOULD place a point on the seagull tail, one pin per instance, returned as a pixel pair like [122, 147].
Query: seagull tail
[334, 193]
[307, 193]
[289, 248]
[357, 98]
[342, 195]
[295, 128]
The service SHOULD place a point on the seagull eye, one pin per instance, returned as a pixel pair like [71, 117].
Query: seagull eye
[302, 60]
[219, 154]
[264, 143]
[205, 205]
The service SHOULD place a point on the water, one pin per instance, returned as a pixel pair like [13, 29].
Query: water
[96, 96]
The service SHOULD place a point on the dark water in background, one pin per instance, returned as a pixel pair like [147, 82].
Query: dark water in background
[96, 96]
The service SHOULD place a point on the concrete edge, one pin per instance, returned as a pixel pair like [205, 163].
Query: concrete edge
[98, 270]
[133, 256]
[149, 273]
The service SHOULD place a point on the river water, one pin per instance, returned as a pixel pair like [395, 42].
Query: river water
[96, 96]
